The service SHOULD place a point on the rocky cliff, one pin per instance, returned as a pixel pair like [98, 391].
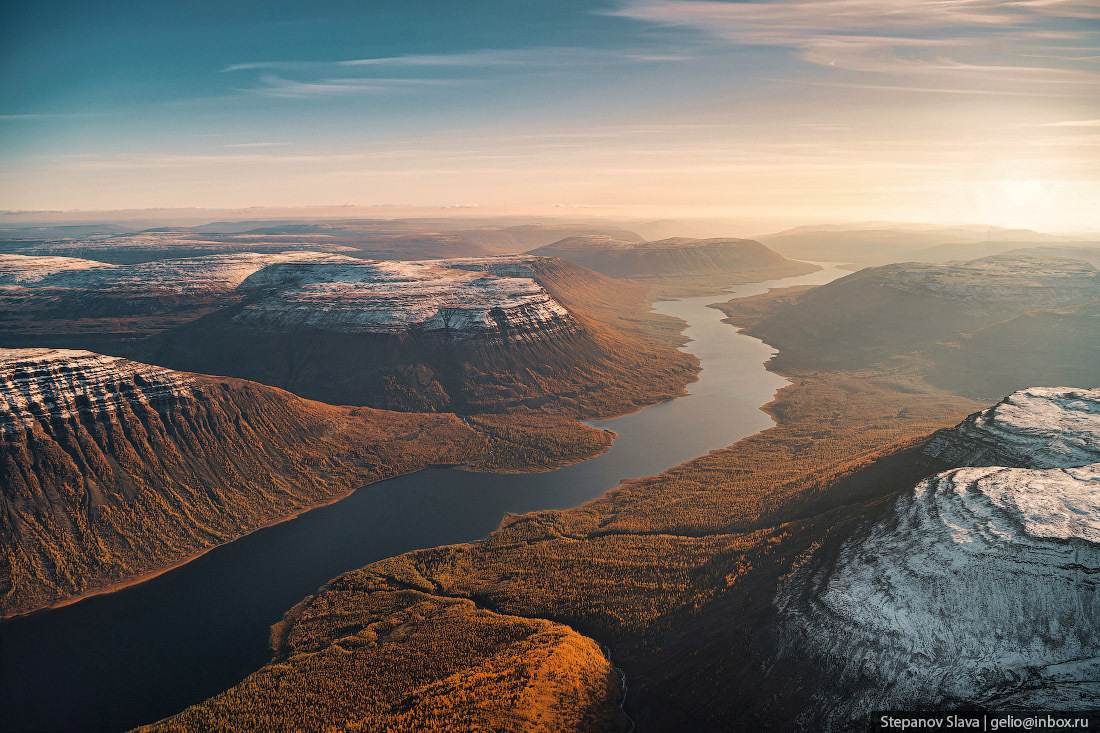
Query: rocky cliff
[981, 586]
[111, 469]
[470, 334]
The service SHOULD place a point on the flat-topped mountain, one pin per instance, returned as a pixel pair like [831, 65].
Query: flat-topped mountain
[981, 328]
[110, 469]
[151, 245]
[1000, 280]
[353, 296]
[469, 333]
[214, 273]
[738, 260]
[1041, 427]
[978, 587]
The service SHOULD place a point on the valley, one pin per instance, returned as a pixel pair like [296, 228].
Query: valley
[668, 555]
[621, 366]
[255, 579]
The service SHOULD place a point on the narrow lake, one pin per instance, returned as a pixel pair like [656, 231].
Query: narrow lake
[112, 662]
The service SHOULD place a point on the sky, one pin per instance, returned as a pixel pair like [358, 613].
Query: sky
[945, 111]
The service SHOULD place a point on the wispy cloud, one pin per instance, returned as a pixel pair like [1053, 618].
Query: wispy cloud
[272, 85]
[535, 56]
[254, 145]
[904, 37]
[1072, 123]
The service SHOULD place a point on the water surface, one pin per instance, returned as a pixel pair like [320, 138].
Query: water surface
[115, 661]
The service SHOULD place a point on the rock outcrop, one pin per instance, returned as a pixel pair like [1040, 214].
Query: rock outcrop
[981, 586]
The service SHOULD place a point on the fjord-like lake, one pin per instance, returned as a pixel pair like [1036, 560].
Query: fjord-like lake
[111, 662]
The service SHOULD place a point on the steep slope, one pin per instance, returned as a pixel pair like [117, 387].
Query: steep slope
[979, 328]
[469, 334]
[481, 335]
[110, 469]
[979, 587]
[736, 260]
[46, 301]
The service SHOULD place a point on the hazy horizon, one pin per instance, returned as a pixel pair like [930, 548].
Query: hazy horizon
[781, 113]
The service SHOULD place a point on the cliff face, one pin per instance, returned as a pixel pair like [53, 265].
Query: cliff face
[110, 469]
[678, 256]
[980, 586]
[402, 297]
[472, 334]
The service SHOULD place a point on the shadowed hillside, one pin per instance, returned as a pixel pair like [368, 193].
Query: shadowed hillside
[982, 328]
[110, 469]
[474, 334]
[699, 262]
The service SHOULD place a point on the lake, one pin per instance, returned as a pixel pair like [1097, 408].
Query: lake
[115, 661]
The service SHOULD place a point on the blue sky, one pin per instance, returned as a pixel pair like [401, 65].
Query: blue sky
[977, 110]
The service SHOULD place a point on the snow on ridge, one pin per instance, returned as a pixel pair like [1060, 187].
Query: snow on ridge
[1033, 281]
[40, 385]
[218, 273]
[24, 270]
[512, 265]
[385, 296]
[1039, 427]
[982, 584]
[463, 296]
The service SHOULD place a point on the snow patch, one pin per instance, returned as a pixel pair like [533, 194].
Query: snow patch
[38, 386]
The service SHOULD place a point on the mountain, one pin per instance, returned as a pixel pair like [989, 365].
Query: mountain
[404, 660]
[977, 587]
[979, 328]
[112, 469]
[63, 230]
[164, 244]
[468, 335]
[48, 301]
[473, 334]
[881, 243]
[524, 237]
[736, 260]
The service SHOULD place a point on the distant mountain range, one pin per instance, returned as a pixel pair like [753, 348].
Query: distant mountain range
[880, 243]
[738, 260]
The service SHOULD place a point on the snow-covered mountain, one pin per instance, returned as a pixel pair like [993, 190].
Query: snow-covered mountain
[1005, 280]
[980, 586]
[45, 385]
[357, 296]
[295, 290]
[111, 468]
[213, 273]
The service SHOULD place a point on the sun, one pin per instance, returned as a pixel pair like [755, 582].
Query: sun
[1019, 203]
